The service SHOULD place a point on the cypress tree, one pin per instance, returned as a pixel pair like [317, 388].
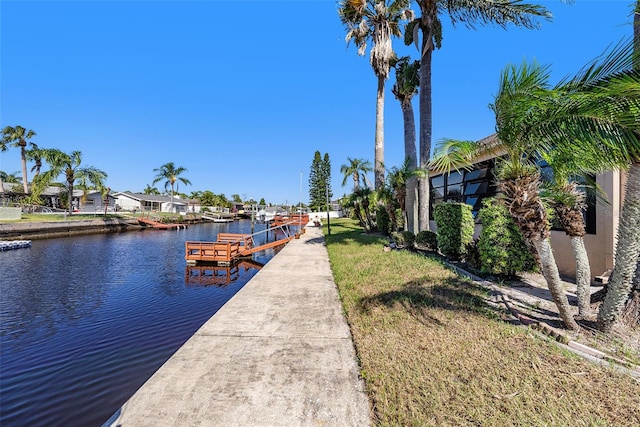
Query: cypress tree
[319, 177]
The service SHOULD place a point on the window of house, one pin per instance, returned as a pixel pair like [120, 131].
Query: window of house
[469, 187]
[589, 214]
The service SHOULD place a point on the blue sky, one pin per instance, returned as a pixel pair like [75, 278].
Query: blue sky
[242, 93]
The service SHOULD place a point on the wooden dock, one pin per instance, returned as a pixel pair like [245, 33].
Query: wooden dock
[146, 222]
[289, 220]
[229, 248]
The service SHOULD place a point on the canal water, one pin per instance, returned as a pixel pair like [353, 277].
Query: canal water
[85, 321]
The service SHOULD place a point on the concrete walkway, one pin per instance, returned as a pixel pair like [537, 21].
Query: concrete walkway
[279, 353]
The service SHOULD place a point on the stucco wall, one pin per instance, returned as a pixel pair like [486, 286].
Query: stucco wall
[600, 246]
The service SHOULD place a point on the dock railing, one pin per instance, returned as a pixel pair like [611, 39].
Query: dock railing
[231, 246]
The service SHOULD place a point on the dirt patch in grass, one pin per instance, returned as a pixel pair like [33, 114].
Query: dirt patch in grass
[434, 350]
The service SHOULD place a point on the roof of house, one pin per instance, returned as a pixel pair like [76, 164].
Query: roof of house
[155, 198]
[50, 191]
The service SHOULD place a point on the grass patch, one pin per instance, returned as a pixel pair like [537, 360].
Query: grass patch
[433, 352]
[60, 217]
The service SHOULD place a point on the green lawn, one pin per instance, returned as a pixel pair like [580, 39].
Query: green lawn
[433, 352]
[57, 217]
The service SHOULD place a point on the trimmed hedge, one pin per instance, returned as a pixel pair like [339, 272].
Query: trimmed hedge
[501, 245]
[455, 228]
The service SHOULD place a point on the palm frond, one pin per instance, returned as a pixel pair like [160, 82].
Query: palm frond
[502, 13]
[453, 154]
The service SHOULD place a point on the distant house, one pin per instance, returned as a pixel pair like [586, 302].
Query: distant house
[601, 218]
[94, 201]
[53, 197]
[129, 201]
[237, 208]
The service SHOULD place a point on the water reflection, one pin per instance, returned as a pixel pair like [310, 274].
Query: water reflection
[84, 321]
[217, 275]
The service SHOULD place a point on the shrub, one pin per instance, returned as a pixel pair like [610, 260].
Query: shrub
[502, 248]
[455, 228]
[428, 240]
[383, 222]
[400, 220]
[403, 239]
[409, 238]
[472, 256]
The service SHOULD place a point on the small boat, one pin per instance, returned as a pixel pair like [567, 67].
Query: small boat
[219, 219]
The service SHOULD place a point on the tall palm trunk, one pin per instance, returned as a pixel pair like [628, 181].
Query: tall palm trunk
[171, 205]
[23, 158]
[631, 312]
[411, 209]
[378, 167]
[70, 193]
[627, 253]
[623, 293]
[425, 131]
[530, 215]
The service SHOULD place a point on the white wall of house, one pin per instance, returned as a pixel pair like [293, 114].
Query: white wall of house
[95, 201]
[127, 203]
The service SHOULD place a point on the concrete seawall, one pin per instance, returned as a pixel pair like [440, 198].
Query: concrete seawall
[279, 353]
[45, 230]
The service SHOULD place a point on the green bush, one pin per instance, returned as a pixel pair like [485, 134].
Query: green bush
[383, 222]
[428, 240]
[472, 257]
[400, 220]
[455, 228]
[409, 238]
[403, 238]
[501, 246]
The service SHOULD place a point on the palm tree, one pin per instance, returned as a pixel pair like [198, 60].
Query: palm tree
[18, 136]
[386, 196]
[406, 86]
[358, 170]
[170, 174]
[69, 165]
[568, 200]
[471, 13]
[569, 203]
[35, 154]
[623, 294]
[376, 21]
[399, 179]
[360, 201]
[592, 114]
[151, 190]
[13, 178]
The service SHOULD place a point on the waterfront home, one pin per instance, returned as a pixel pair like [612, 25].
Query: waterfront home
[601, 218]
[137, 202]
[54, 197]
